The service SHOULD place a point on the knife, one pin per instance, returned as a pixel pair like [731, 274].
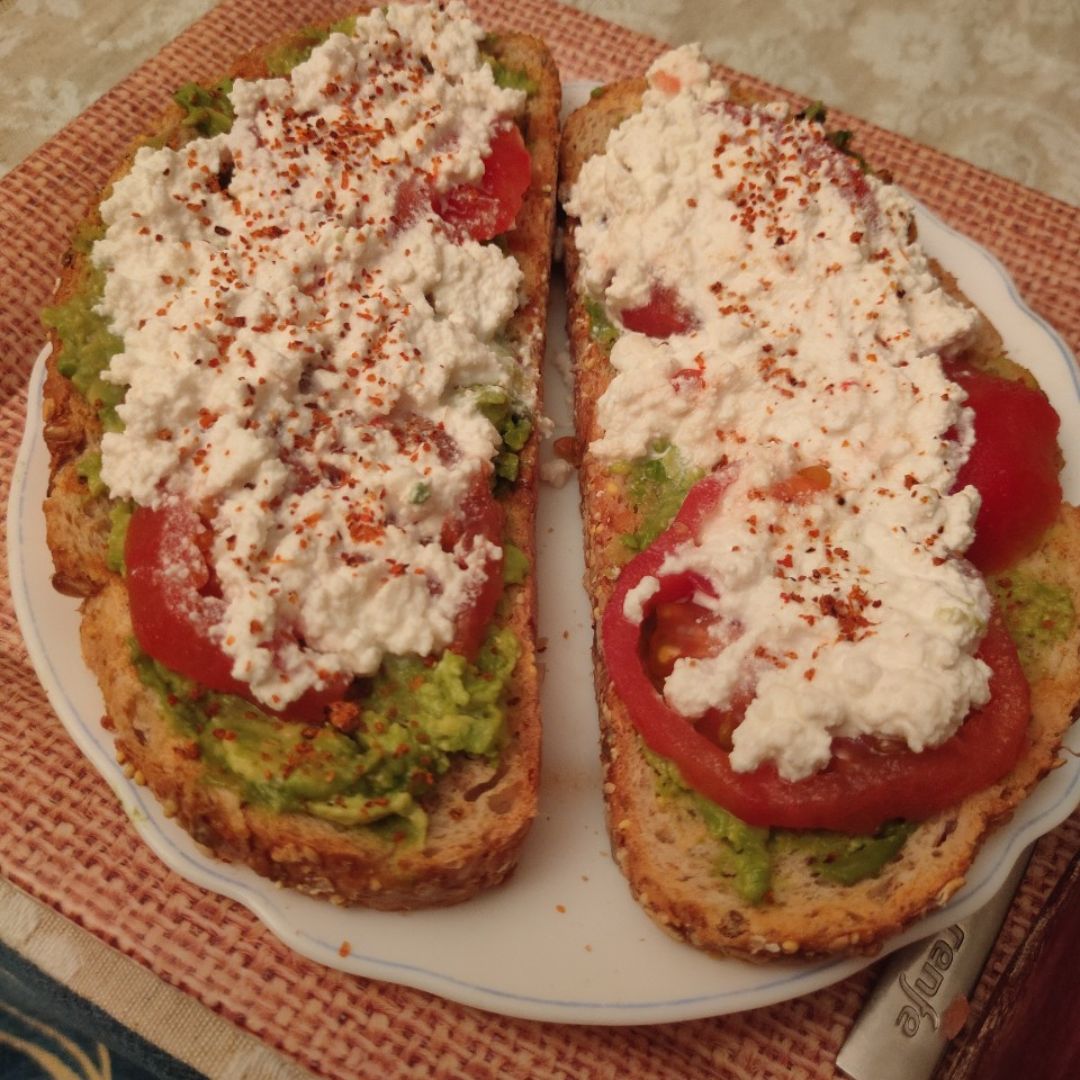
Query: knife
[921, 995]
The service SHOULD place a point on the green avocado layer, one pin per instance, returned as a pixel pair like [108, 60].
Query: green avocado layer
[601, 329]
[512, 422]
[1037, 615]
[416, 715]
[656, 486]
[207, 109]
[87, 345]
[88, 467]
[745, 854]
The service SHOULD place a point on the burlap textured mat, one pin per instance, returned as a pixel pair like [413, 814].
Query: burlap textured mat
[65, 839]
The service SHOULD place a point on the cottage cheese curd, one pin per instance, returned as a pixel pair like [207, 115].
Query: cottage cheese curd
[816, 342]
[301, 358]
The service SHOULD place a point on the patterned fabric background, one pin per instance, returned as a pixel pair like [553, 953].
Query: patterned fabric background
[73, 1009]
[996, 82]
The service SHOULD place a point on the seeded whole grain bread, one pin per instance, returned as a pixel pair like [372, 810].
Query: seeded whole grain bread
[661, 843]
[480, 811]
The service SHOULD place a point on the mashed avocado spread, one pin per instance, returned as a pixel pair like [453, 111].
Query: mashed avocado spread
[87, 345]
[656, 487]
[88, 468]
[601, 328]
[745, 854]
[1037, 614]
[416, 715]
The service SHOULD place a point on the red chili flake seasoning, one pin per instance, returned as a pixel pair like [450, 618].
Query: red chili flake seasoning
[848, 612]
[761, 653]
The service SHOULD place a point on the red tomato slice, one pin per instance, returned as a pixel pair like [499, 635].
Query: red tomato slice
[661, 316]
[481, 516]
[863, 786]
[483, 211]
[412, 201]
[678, 629]
[1014, 466]
[173, 609]
[174, 606]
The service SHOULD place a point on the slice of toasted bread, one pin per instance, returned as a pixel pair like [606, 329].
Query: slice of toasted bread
[659, 838]
[481, 809]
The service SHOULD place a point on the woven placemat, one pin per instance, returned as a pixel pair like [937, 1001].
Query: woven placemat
[66, 840]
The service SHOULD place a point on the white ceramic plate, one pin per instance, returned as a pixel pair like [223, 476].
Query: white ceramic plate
[562, 941]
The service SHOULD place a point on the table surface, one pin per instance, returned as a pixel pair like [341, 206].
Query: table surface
[995, 84]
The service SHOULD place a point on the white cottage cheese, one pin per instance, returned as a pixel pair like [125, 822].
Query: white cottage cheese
[297, 357]
[817, 333]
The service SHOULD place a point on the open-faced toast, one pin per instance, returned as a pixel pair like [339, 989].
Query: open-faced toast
[409, 778]
[702, 875]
